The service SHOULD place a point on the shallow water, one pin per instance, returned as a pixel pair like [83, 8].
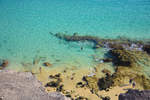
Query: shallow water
[25, 27]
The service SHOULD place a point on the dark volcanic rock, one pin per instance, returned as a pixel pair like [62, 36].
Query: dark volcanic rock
[146, 48]
[120, 43]
[135, 95]
[105, 82]
[122, 57]
[106, 98]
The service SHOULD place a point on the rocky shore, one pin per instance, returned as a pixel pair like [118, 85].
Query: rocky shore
[135, 95]
[24, 86]
[123, 68]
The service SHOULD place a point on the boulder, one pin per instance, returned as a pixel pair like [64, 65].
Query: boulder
[24, 86]
[135, 95]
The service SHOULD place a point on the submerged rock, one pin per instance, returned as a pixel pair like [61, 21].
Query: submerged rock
[120, 43]
[47, 64]
[4, 64]
[132, 58]
[122, 57]
[135, 95]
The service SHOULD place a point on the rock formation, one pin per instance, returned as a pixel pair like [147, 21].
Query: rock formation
[135, 95]
[24, 86]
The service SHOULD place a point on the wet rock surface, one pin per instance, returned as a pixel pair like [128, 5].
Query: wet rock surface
[135, 95]
[122, 57]
[120, 43]
[24, 86]
[55, 82]
[106, 82]
[129, 57]
[124, 73]
[146, 48]
[47, 64]
[3, 64]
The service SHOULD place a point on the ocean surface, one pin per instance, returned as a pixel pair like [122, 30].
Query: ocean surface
[25, 27]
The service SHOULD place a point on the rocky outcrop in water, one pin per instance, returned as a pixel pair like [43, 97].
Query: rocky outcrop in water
[4, 64]
[123, 57]
[129, 58]
[135, 95]
[24, 86]
[120, 43]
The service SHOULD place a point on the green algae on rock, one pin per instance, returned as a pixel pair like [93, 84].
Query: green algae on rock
[91, 83]
[122, 57]
[129, 58]
[100, 42]
[124, 74]
[105, 82]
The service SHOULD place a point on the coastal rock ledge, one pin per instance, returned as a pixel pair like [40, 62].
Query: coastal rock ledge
[135, 95]
[24, 86]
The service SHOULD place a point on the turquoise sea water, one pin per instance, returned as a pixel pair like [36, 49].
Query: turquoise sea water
[25, 27]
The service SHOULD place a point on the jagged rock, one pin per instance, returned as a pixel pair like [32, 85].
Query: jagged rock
[81, 98]
[52, 84]
[106, 98]
[120, 43]
[135, 95]
[116, 45]
[105, 82]
[122, 57]
[122, 76]
[60, 88]
[80, 84]
[146, 48]
[107, 60]
[124, 73]
[24, 86]
[55, 76]
[55, 80]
